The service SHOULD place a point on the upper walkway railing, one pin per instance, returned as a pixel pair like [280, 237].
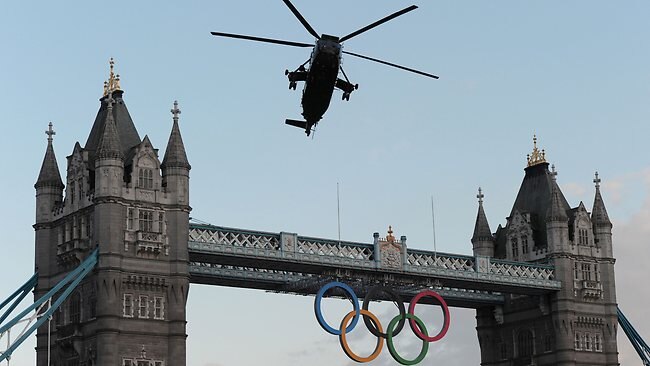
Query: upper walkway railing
[384, 257]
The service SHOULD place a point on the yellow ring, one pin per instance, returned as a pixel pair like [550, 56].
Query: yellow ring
[344, 342]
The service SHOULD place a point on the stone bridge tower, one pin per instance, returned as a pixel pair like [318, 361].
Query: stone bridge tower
[119, 197]
[578, 324]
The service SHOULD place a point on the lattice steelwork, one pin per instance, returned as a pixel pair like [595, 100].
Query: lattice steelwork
[333, 248]
[234, 237]
[519, 270]
[460, 263]
[284, 261]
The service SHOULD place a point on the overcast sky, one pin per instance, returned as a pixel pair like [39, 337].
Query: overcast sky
[575, 73]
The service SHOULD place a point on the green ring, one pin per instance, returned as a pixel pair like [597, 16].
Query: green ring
[391, 347]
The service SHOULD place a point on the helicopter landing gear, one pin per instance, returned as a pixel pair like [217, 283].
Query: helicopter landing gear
[295, 76]
[347, 88]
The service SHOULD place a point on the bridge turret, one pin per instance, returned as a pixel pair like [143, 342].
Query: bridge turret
[49, 186]
[482, 240]
[175, 166]
[49, 196]
[557, 221]
[109, 159]
[602, 226]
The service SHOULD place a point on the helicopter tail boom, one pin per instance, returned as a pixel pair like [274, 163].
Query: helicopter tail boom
[300, 124]
[296, 123]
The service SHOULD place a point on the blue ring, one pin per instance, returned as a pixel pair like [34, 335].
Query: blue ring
[319, 314]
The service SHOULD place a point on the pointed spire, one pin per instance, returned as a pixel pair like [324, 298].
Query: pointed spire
[49, 174]
[175, 155]
[599, 213]
[553, 173]
[556, 211]
[481, 228]
[109, 142]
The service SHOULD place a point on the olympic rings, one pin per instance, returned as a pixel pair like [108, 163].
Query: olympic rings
[319, 314]
[445, 311]
[344, 342]
[396, 299]
[375, 327]
[391, 347]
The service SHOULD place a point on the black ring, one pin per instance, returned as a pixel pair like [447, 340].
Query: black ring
[395, 298]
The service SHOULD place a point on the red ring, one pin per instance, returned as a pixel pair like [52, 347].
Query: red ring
[445, 310]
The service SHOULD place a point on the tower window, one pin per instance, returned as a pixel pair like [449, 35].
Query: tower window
[548, 343]
[515, 248]
[75, 228]
[524, 244]
[588, 341]
[161, 221]
[145, 220]
[524, 343]
[92, 305]
[583, 237]
[143, 309]
[75, 308]
[586, 271]
[127, 306]
[503, 351]
[158, 308]
[89, 226]
[129, 218]
[597, 343]
[145, 178]
[577, 345]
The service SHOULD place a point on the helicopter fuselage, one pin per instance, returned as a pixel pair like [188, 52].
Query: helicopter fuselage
[321, 78]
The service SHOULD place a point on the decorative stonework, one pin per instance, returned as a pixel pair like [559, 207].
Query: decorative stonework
[537, 156]
[390, 251]
[113, 82]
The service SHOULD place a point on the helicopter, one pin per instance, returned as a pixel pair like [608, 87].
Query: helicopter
[321, 76]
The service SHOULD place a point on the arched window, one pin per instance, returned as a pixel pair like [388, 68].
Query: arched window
[524, 244]
[75, 308]
[524, 343]
[145, 178]
[515, 248]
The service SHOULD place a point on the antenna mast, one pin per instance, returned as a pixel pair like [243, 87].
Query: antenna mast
[433, 222]
[338, 210]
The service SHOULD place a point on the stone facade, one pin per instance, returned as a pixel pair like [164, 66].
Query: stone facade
[574, 326]
[120, 198]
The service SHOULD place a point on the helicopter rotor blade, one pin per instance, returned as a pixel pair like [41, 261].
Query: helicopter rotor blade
[260, 39]
[392, 64]
[379, 22]
[301, 19]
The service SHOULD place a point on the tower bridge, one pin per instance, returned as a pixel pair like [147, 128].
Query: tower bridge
[287, 262]
[542, 285]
